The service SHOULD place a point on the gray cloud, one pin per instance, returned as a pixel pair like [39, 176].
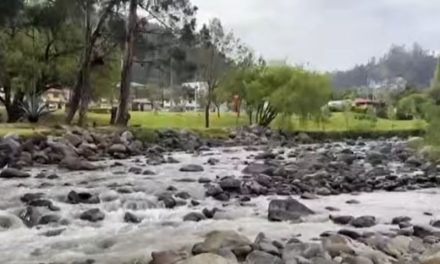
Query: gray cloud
[327, 34]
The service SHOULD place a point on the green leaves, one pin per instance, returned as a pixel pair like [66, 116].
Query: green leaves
[283, 90]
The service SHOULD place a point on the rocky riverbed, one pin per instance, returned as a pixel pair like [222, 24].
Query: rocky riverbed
[343, 202]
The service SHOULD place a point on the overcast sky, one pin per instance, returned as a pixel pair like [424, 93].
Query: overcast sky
[327, 34]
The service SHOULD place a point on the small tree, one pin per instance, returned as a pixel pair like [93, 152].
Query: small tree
[434, 90]
[215, 50]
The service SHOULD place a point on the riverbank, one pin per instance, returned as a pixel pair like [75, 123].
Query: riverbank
[355, 201]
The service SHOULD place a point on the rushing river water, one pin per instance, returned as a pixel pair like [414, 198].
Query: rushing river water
[114, 241]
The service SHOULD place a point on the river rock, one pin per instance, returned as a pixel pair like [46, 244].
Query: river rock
[424, 231]
[297, 252]
[350, 233]
[206, 258]
[364, 221]
[217, 240]
[82, 197]
[167, 199]
[47, 219]
[435, 223]
[132, 218]
[264, 244]
[194, 217]
[92, 215]
[191, 168]
[400, 219]
[75, 140]
[11, 173]
[257, 168]
[230, 184]
[309, 196]
[213, 161]
[40, 203]
[168, 257]
[357, 260]
[209, 213]
[30, 216]
[376, 158]
[117, 148]
[135, 170]
[352, 201]
[28, 197]
[260, 257]
[286, 210]
[341, 219]
[76, 164]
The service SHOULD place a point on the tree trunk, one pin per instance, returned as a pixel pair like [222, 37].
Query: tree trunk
[85, 99]
[218, 110]
[84, 68]
[250, 115]
[122, 117]
[207, 112]
[79, 90]
[14, 109]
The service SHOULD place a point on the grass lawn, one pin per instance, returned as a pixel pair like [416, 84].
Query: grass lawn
[191, 120]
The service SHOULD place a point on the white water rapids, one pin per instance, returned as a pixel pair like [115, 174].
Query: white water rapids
[112, 241]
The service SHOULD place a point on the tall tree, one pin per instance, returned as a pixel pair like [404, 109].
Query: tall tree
[176, 15]
[126, 72]
[39, 45]
[81, 91]
[215, 53]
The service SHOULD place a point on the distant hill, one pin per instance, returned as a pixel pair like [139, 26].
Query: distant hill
[415, 65]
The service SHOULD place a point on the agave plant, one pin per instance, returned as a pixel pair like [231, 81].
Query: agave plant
[34, 108]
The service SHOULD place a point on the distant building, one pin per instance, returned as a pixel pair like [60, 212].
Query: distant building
[56, 99]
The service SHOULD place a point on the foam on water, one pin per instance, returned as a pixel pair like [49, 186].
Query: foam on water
[114, 241]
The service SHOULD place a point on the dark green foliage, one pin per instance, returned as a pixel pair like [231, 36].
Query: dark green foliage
[413, 106]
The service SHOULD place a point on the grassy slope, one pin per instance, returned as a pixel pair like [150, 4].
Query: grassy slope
[337, 122]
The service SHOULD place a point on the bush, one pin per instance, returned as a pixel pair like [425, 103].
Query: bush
[34, 108]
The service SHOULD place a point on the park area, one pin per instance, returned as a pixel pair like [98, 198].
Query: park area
[338, 122]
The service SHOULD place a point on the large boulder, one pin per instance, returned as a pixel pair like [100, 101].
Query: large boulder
[287, 210]
[10, 173]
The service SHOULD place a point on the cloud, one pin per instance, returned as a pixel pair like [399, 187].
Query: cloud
[327, 34]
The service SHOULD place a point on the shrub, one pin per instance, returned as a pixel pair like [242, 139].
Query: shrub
[34, 108]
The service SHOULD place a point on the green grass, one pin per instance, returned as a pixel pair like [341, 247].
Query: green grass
[338, 122]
